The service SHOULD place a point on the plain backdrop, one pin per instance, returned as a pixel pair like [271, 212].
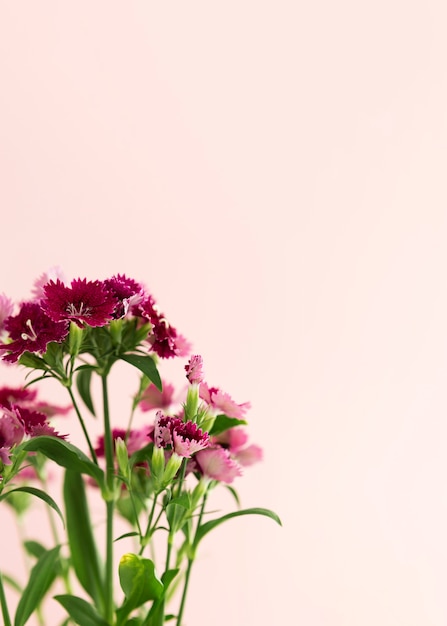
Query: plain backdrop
[274, 172]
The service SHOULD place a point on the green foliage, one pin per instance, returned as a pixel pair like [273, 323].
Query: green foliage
[38, 493]
[80, 611]
[204, 529]
[145, 364]
[40, 580]
[83, 549]
[83, 383]
[223, 423]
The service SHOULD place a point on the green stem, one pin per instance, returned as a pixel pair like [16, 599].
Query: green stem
[110, 503]
[3, 604]
[147, 534]
[84, 429]
[190, 562]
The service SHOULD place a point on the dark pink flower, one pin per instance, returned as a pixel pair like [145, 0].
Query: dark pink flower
[216, 463]
[152, 398]
[36, 424]
[164, 339]
[188, 439]
[222, 402]
[128, 294]
[164, 425]
[194, 369]
[31, 330]
[85, 301]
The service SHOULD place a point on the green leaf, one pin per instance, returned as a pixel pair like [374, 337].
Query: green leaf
[223, 423]
[41, 577]
[29, 359]
[139, 582]
[12, 583]
[34, 548]
[83, 551]
[146, 364]
[208, 526]
[177, 512]
[131, 534]
[83, 381]
[39, 494]
[81, 611]
[66, 455]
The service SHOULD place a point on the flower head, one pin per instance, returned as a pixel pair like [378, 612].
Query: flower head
[6, 309]
[128, 294]
[36, 424]
[85, 301]
[216, 463]
[221, 401]
[31, 330]
[188, 439]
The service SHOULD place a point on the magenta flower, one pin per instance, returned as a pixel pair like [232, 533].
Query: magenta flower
[12, 432]
[152, 398]
[31, 330]
[188, 439]
[194, 369]
[85, 301]
[216, 463]
[36, 424]
[222, 402]
[128, 294]
[54, 273]
[185, 438]
[164, 339]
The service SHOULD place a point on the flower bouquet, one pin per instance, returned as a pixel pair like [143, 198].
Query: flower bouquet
[157, 478]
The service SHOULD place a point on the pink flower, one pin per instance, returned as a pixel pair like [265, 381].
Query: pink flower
[216, 463]
[53, 273]
[194, 369]
[12, 432]
[188, 439]
[222, 402]
[152, 398]
[31, 330]
[127, 292]
[164, 426]
[6, 309]
[234, 440]
[164, 339]
[85, 301]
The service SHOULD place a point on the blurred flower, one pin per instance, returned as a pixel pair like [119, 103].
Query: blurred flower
[164, 338]
[153, 398]
[53, 273]
[12, 432]
[216, 463]
[6, 309]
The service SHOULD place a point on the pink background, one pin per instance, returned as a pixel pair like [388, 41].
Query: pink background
[275, 173]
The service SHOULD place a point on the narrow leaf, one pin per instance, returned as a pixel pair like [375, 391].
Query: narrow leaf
[66, 455]
[34, 548]
[39, 494]
[146, 364]
[84, 556]
[83, 381]
[81, 611]
[41, 577]
[208, 526]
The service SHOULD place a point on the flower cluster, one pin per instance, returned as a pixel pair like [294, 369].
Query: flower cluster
[157, 476]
